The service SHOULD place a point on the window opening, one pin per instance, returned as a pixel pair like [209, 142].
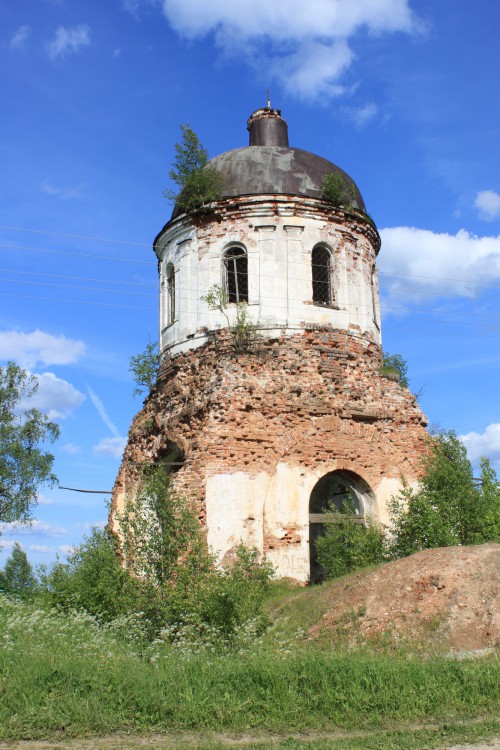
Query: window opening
[321, 261]
[170, 294]
[374, 296]
[236, 274]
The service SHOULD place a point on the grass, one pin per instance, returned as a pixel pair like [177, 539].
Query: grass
[65, 673]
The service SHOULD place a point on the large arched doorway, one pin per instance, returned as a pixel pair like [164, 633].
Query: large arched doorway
[330, 494]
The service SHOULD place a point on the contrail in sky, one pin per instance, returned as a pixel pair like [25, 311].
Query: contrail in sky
[102, 412]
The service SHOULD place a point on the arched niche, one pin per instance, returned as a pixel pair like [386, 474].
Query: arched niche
[331, 493]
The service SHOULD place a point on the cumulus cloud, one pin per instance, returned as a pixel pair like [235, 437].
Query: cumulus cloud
[305, 46]
[68, 41]
[415, 263]
[38, 347]
[113, 447]
[485, 444]
[55, 397]
[32, 527]
[20, 37]
[488, 205]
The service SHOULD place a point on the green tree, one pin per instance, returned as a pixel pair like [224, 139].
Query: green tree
[336, 190]
[199, 183]
[93, 579]
[144, 369]
[24, 464]
[394, 363]
[165, 550]
[348, 545]
[449, 507]
[17, 577]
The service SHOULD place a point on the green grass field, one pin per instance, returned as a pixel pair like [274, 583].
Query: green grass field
[64, 673]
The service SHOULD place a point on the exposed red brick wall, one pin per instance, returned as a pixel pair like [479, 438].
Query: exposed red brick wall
[314, 398]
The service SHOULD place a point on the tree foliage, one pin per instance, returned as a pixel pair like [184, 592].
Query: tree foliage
[242, 329]
[164, 549]
[449, 507]
[336, 190]
[199, 183]
[348, 545]
[18, 577]
[396, 364]
[144, 369]
[93, 579]
[24, 464]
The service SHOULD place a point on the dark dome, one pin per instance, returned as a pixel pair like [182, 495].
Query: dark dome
[268, 166]
[258, 170]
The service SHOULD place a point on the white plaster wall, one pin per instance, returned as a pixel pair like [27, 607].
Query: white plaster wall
[280, 284]
[259, 510]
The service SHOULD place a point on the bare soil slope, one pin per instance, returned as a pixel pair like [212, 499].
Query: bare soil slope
[446, 598]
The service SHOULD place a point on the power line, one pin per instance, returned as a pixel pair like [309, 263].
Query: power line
[75, 236]
[78, 278]
[78, 302]
[78, 255]
[91, 492]
[84, 288]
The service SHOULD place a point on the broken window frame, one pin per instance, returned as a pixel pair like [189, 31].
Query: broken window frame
[235, 274]
[321, 275]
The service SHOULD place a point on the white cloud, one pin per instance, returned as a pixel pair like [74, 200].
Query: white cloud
[132, 7]
[101, 410]
[9, 543]
[488, 205]
[20, 37]
[68, 41]
[425, 262]
[43, 499]
[110, 447]
[55, 397]
[38, 347]
[71, 449]
[302, 45]
[42, 548]
[65, 193]
[34, 527]
[361, 115]
[66, 549]
[485, 444]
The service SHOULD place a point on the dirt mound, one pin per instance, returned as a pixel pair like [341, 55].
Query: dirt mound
[444, 598]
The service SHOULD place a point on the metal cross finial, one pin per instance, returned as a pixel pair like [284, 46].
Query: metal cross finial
[268, 100]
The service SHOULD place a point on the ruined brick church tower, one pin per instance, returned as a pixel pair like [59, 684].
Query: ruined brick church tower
[266, 436]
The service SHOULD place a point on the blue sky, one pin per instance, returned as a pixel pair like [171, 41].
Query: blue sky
[402, 94]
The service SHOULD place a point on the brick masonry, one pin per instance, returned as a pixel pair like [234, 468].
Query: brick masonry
[255, 431]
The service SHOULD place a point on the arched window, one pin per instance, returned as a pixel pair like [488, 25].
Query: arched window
[235, 267]
[321, 267]
[170, 294]
[341, 491]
